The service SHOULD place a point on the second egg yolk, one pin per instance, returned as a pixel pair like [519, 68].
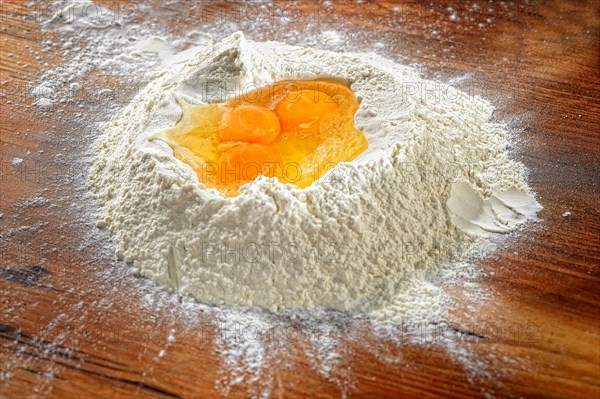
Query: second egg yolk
[304, 109]
[245, 162]
[250, 124]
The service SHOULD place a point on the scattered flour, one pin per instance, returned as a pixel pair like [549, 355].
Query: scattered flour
[435, 178]
[331, 38]
[35, 201]
[116, 48]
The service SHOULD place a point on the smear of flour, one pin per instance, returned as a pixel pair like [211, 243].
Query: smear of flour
[107, 44]
[35, 202]
[502, 212]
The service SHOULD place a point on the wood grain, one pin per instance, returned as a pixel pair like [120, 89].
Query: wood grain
[75, 324]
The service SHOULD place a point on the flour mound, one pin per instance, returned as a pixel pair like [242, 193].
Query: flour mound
[434, 181]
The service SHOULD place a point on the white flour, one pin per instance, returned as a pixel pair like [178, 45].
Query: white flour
[356, 238]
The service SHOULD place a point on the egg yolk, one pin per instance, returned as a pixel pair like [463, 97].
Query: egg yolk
[304, 109]
[246, 162]
[295, 131]
[250, 124]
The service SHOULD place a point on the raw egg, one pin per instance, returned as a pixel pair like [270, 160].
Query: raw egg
[292, 130]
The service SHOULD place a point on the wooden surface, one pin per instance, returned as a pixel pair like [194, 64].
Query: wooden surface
[74, 324]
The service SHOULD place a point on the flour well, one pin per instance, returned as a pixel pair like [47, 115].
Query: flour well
[435, 180]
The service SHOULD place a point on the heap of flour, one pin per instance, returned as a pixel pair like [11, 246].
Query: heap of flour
[435, 181]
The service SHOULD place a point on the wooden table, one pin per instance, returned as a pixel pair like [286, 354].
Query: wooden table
[75, 324]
